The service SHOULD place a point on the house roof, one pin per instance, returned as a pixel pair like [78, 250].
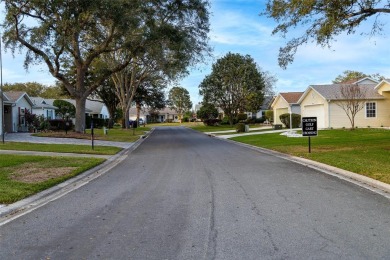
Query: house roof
[267, 102]
[39, 102]
[291, 97]
[15, 96]
[145, 111]
[95, 106]
[72, 101]
[333, 91]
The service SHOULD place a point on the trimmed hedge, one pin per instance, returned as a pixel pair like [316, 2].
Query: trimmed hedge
[211, 122]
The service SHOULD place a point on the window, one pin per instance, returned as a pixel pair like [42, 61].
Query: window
[370, 109]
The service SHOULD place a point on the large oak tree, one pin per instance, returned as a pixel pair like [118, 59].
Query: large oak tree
[70, 35]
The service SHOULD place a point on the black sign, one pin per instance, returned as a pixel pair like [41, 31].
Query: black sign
[309, 126]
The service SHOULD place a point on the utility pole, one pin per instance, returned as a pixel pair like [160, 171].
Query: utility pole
[1, 93]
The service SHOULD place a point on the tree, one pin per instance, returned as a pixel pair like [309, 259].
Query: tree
[64, 108]
[207, 111]
[33, 89]
[179, 100]
[350, 76]
[351, 100]
[150, 94]
[234, 85]
[322, 20]
[69, 36]
[106, 92]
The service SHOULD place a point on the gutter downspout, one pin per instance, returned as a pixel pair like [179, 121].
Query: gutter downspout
[329, 114]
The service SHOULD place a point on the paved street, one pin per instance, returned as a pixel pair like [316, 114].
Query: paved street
[186, 195]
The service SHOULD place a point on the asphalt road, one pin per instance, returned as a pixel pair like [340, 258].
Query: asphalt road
[184, 195]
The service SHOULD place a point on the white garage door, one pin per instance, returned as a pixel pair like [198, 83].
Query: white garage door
[315, 111]
[279, 111]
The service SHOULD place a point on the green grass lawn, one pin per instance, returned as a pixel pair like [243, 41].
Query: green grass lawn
[60, 148]
[22, 176]
[114, 134]
[363, 151]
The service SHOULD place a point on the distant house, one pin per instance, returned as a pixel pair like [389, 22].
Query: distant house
[265, 106]
[97, 109]
[322, 101]
[16, 105]
[162, 115]
[42, 108]
[284, 103]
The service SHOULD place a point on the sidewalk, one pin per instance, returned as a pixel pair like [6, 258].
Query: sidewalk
[250, 133]
[27, 137]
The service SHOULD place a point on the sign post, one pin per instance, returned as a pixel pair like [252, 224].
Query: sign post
[309, 128]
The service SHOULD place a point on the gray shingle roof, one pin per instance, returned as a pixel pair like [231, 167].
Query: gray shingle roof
[333, 91]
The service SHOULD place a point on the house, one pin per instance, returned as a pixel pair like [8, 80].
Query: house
[97, 109]
[323, 102]
[265, 106]
[42, 108]
[16, 105]
[284, 103]
[162, 115]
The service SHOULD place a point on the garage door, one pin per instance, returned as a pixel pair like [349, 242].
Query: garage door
[278, 112]
[315, 111]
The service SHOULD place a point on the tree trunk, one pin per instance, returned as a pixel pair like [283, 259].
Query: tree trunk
[125, 119]
[138, 105]
[80, 115]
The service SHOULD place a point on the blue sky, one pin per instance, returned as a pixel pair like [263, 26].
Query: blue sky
[237, 27]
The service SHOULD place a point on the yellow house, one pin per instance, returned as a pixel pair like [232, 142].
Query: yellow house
[284, 103]
[325, 101]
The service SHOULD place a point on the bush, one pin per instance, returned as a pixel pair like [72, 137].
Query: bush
[242, 117]
[186, 119]
[296, 120]
[211, 122]
[59, 124]
[207, 111]
[240, 128]
[269, 115]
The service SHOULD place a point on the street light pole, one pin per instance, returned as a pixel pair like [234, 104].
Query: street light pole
[1, 93]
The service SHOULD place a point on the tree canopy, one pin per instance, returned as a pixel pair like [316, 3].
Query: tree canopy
[350, 76]
[69, 36]
[235, 85]
[322, 20]
[179, 100]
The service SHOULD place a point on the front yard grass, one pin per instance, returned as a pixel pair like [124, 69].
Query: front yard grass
[114, 134]
[60, 148]
[22, 176]
[363, 151]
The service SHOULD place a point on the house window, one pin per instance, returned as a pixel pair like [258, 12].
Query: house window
[370, 109]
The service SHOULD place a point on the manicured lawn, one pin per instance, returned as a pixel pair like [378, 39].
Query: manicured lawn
[22, 176]
[114, 134]
[363, 151]
[60, 148]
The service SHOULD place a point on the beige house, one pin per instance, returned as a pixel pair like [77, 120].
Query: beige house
[323, 102]
[284, 103]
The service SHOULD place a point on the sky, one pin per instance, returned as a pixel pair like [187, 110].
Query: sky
[237, 27]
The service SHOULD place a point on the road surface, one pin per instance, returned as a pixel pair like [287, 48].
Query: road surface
[185, 195]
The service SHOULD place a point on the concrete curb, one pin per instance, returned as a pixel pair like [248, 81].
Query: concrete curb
[360, 180]
[12, 211]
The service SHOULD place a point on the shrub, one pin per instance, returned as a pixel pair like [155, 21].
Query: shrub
[285, 119]
[211, 122]
[269, 115]
[240, 127]
[207, 111]
[242, 117]
[59, 124]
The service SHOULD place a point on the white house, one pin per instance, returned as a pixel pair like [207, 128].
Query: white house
[42, 108]
[97, 109]
[16, 105]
